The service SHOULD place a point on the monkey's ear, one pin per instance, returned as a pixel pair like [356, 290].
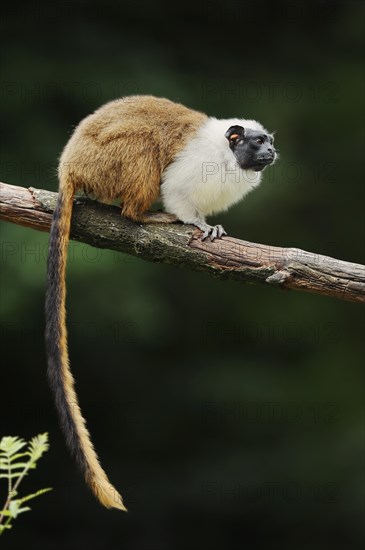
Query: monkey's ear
[234, 133]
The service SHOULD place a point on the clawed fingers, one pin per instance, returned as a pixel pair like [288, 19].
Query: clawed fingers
[221, 231]
[214, 232]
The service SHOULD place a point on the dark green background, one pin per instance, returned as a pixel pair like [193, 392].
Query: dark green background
[229, 416]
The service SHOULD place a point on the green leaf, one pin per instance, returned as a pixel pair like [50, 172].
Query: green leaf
[14, 466]
[14, 508]
[11, 476]
[34, 495]
[11, 445]
[18, 455]
[22, 510]
[38, 446]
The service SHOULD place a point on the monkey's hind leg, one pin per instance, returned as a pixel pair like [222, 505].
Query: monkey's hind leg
[148, 217]
[157, 217]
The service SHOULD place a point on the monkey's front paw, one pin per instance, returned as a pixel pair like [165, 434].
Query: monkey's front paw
[212, 231]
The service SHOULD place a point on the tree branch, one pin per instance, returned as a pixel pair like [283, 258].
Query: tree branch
[102, 226]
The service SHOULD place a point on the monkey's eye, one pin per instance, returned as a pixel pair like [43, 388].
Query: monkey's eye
[259, 141]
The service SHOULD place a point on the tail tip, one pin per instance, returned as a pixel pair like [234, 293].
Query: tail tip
[108, 496]
[112, 499]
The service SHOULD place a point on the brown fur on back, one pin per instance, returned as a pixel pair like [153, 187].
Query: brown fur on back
[121, 150]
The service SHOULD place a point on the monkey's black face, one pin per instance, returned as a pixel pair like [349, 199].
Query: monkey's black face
[253, 149]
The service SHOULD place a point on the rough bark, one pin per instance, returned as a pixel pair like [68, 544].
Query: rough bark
[102, 226]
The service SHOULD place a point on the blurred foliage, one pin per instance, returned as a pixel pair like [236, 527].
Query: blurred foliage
[227, 415]
[14, 466]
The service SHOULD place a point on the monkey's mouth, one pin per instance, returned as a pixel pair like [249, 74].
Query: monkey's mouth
[262, 162]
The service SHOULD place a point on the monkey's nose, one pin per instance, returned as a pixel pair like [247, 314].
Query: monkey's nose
[271, 150]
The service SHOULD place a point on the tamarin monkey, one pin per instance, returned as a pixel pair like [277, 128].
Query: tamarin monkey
[136, 149]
